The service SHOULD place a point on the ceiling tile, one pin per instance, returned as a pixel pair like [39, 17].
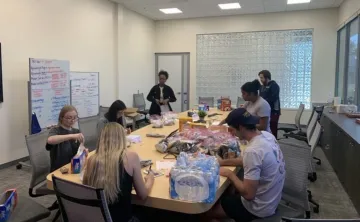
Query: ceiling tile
[275, 8]
[208, 8]
[314, 4]
[270, 3]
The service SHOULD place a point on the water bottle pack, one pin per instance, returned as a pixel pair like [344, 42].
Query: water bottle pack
[194, 178]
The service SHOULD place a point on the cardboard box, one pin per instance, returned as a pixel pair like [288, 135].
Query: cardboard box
[78, 162]
[225, 104]
[197, 125]
[183, 121]
[130, 110]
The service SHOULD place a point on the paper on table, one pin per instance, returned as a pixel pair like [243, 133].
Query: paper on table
[164, 165]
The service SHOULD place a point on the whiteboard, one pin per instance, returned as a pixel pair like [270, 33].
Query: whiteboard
[49, 89]
[85, 93]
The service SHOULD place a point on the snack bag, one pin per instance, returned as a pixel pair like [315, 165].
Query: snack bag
[8, 201]
[78, 161]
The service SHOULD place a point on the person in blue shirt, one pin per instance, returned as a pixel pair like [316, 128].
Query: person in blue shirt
[270, 91]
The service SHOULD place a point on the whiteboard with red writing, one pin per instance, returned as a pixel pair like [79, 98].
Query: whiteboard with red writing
[49, 89]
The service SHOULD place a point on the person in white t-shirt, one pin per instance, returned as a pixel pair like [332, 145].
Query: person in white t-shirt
[259, 194]
[256, 105]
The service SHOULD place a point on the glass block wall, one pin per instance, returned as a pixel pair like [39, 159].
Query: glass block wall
[226, 61]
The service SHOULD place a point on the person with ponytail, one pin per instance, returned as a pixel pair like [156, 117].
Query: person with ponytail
[116, 169]
[256, 105]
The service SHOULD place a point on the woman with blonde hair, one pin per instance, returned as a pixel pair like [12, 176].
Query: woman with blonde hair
[116, 169]
[64, 140]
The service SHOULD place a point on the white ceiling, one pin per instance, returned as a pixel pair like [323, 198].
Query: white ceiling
[207, 8]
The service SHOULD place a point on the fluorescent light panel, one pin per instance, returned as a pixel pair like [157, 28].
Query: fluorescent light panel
[228, 6]
[292, 2]
[170, 10]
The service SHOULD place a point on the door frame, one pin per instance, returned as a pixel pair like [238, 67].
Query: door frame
[183, 54]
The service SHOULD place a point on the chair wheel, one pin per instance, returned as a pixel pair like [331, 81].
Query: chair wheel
[312, 177]
[316, 210]
[19, 166]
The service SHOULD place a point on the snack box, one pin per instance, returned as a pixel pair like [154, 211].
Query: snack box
[8, 201]
[78, 162]
[225, 105]
[183, 121]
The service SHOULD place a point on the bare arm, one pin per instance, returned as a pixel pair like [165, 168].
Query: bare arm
[231, 162]
[247, 189]
[142, 188]
[263, 123]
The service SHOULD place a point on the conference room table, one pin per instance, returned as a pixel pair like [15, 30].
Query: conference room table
[159, 196]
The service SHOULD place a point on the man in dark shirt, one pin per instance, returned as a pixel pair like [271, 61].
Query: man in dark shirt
[270, 91]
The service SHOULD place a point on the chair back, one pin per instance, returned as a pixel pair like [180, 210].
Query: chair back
[298, 115]
[297, 159]
[240, 101]
[103, 110]
[39, 157]
[315, 137]
[311, 126]
[139, 101]
[78, 202]
[88, 127]
[207, 100]
[285, 219]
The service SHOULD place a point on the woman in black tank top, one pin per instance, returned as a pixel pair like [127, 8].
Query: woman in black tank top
[115, 169]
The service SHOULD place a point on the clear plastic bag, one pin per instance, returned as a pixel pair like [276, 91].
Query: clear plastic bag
[194, 178]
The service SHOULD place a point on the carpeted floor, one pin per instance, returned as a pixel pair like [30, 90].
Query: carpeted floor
[327, 191]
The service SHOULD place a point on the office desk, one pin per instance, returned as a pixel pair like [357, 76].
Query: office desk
[159, 196]
[340, 142]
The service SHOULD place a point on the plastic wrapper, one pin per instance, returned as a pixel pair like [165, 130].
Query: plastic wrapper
[194, 178]
[168, 118]
[156, 121]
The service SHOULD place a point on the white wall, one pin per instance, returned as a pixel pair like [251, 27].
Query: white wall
[347, 10]
[86, 32]
[136, 37]
[180, 36]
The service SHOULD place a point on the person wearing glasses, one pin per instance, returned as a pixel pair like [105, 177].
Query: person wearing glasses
[64, 140]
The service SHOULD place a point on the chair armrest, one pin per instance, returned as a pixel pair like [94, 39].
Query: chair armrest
[296, 136]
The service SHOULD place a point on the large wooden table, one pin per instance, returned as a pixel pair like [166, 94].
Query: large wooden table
[159, 196]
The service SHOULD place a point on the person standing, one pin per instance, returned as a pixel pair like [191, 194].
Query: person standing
[161, 95]
[270, 91]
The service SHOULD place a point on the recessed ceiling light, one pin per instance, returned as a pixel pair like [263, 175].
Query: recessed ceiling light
[292, 2]
[228, 6]
[170, 10]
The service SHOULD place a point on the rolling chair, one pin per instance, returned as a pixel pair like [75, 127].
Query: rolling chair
[207, 100]
[40, 163]
[139, 102]
[311, 140]
[296, 126]
[295, 198]
[103, 110]
[88, 127]
[81, 203]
